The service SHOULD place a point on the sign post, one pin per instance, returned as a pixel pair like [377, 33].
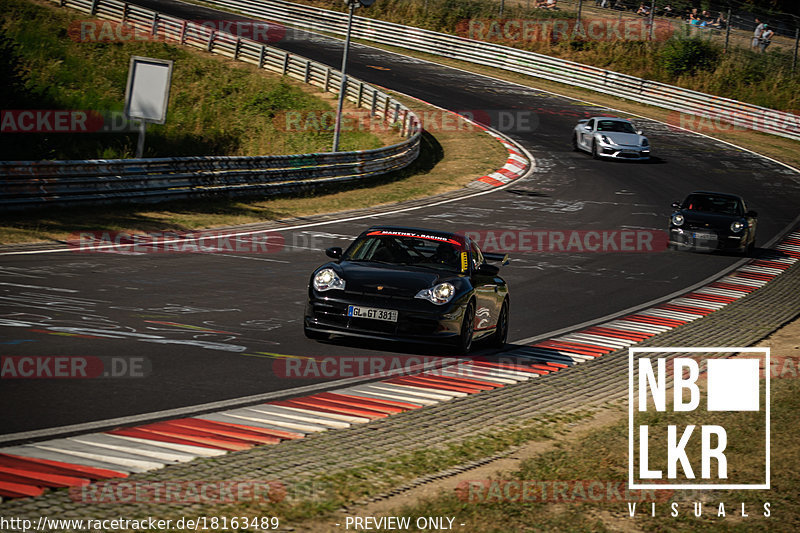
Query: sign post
[147, 93]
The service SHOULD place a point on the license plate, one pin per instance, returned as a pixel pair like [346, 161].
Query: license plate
[374, 313]
[705, 236]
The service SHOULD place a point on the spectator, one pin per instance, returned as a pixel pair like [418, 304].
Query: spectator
[551, 4]
[643, 10]
[766, 38]
[757, 34]
[720, 22]
[668, 11]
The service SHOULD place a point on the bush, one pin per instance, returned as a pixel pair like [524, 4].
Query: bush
[686, 56]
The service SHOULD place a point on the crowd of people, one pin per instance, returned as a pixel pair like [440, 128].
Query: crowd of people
[762, 35]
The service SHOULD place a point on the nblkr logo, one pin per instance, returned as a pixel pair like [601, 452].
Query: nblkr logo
[732, 385]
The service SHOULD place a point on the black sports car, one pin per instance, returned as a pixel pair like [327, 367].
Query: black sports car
[712, 221]
[409, 284]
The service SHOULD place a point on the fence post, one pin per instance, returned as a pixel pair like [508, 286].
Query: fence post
[154, 29]
[374, 103]
[210, 43]
[727, 31]
[285, 63]
[236, 50]
[261, 56]
[124, 11]
[360, 93]
[307, 72]
[327, 79]
[93, 10]
[796, 42]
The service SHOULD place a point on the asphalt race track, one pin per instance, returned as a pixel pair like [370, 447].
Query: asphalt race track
[208, 327]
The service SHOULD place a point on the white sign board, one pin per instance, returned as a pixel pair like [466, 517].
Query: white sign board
[147, 93]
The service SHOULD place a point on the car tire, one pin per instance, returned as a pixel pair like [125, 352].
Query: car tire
[595, 155]
[315, 335]
[575, 147]
[467, 330]
[501, 330]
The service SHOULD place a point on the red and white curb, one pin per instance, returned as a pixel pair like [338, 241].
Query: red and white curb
[30, 469]
[515, 167]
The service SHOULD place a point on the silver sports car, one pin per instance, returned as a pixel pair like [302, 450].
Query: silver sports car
[610, 137]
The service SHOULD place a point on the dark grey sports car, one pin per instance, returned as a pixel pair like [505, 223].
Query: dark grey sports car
[409, 284]
[712, 221]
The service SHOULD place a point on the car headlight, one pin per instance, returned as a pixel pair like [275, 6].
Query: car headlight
[645, 142]
[440, 294]
[327, 279]
[677, 219]
[737, 226]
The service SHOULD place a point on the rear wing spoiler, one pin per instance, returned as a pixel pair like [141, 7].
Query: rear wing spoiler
[503, 258]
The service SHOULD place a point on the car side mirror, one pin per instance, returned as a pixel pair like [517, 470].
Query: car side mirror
[676, 205]
[751, 214]
[587, 128]
[334, 252]
[488, 270]
[638, 132]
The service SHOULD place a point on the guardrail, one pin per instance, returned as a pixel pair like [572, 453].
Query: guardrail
[682, 101]
[36, 183]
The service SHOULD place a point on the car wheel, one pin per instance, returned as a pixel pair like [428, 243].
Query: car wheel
[316, 335]
[595, 155]
[575, 142]
[467, 329]
[501, 331]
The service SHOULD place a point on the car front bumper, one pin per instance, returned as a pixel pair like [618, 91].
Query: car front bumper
[417, 320]
[705, 240]
[633, 153]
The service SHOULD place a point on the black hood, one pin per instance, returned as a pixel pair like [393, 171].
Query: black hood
[705, 219]
[395, 280]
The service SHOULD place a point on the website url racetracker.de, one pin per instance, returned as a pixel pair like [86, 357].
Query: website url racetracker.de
[196, 523]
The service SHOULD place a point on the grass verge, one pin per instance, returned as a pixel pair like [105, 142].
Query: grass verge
[603, 455]
[449, 160]
[319, 498]
[217, 106]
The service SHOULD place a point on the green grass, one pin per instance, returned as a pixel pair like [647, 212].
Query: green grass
[325, 494]
[217, 106]
[602, 455]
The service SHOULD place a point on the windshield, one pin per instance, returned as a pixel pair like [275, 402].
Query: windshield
[438, 253]
[722, 205]
[615, 126]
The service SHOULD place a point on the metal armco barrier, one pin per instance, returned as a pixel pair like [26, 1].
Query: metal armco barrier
[25, 184]
[688, 105]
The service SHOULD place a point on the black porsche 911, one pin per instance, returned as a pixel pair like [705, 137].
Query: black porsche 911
[410, 284]
[712, 221]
